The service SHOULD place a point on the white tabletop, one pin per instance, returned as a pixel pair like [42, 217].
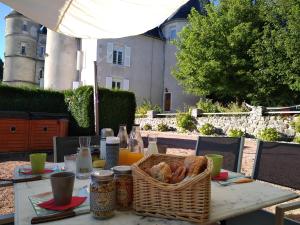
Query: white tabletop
[226, 202]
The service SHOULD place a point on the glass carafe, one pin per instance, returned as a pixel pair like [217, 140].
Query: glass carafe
[123, 154]
[136, 145]
[152, 145]
[84, 165]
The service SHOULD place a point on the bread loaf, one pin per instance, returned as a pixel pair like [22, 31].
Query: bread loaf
[195, 165]
[178, 175]
[161, 172]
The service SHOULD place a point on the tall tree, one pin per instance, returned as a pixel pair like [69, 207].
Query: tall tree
[213, 57]
[1, 69]
[243, 50]
[277, 54]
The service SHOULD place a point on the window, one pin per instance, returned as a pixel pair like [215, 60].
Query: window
[118, 57]
[116, 85]
[172, 33]
[41, 51]
[41, 73]
[25, 26]
[23, 48]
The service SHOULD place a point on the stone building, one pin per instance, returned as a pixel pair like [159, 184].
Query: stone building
[25, 43]
[141, 64]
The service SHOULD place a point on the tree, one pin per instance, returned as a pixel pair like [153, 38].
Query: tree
[212, 57]
[277, 54]
[1, 69]
[242, 51]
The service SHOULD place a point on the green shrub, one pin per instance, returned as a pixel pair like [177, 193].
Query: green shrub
[31, 100]
[162, 127]
[235, 107]
[147, 127]
[269, 134]
[207, 106]
[185, 121]
[296, 124]
[297, 140]
[235, 133]
[147, 106]
[115, 107]
[207, 129]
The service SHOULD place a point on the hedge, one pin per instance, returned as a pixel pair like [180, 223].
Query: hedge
[115, 107]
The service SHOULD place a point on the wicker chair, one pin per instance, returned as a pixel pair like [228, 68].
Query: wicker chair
[276, 163]
[230, 148]
[68, 145]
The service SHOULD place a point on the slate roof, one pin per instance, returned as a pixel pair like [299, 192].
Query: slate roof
[181, 13]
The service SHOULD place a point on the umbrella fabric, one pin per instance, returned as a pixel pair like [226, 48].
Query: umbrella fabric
[97, 18]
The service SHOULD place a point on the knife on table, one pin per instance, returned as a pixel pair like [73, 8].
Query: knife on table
[20, 180]
[59, 216]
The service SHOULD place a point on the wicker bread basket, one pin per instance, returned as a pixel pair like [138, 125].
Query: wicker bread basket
[188, 200]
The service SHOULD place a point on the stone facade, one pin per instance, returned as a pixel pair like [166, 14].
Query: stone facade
[25, 44]
[251, 124]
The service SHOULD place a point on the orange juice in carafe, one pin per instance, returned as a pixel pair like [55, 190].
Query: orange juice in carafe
[136, 145]
[134, 157]
[123, 156]
[123, 153]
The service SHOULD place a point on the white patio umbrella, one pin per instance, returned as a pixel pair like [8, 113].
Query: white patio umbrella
[97, 19]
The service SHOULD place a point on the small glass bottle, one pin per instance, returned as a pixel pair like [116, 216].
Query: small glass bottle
[123, 155]
[102, 194]
[124, 187]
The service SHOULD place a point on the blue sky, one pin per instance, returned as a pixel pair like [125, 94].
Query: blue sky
[4, 10]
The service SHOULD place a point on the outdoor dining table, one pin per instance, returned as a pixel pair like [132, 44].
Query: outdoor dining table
[226, 202]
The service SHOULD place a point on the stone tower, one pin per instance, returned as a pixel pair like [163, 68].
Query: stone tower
[25, 43]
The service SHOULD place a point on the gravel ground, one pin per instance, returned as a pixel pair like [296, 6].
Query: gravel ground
[7, 168]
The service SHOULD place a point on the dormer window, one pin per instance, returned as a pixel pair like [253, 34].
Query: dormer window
[172, 33]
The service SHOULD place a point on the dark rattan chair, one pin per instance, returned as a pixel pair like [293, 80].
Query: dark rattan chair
[230, 148]
[277, 163]
[68, 145]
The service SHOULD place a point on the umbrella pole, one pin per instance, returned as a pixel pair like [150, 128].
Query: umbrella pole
[96, 100]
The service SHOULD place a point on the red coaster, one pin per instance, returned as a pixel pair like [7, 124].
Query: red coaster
[29, 171]
[76, 201]
[223, 176]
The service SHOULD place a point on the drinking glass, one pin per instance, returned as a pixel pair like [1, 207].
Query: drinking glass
[70, 163]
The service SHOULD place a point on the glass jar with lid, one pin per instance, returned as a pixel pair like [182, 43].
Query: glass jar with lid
[124, 187]
[102, 194]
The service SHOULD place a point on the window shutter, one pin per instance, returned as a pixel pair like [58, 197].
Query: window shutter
[108, 82]
[79, 60]
[109, 52]
[125, 84]
[127, 56]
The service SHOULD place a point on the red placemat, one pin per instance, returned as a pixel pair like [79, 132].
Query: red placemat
[28, 171]
[76, 201]
[223, 176]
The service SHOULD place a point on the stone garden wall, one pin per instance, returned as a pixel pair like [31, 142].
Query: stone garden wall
[251, 123]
